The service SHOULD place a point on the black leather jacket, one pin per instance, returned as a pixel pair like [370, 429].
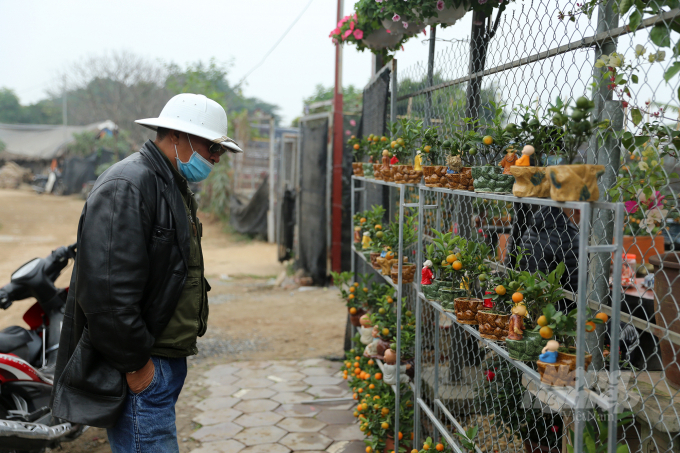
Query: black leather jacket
[133, 246]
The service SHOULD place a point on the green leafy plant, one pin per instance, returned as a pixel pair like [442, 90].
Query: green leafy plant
[576, 128]
[409, 233]
[546, 139]
[466, 264]
[594, 443]
[563, 326]
[464, 141]
[505, 285]
[467, 439]
[431, 146]
[442, 246]
[496, 138]
[359, 147]
[541, 289]
[376, 145]
[406, 134]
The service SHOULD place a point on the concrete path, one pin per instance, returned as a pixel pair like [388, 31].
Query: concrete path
[254, 407]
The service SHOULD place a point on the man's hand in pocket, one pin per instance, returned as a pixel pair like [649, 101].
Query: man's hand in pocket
[140, 379]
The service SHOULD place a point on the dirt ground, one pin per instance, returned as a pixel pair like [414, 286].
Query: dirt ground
[250, 319]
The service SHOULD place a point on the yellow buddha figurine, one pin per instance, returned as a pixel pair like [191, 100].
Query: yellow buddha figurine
[525, 160]
[366, 241]
[418, 162]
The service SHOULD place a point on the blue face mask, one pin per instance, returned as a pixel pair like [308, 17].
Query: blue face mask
[197, 169]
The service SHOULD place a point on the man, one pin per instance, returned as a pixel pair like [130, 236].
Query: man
[138, 298]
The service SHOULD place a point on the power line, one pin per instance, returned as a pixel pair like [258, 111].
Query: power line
[274, 46]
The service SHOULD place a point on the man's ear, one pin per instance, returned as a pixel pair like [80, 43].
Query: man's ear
[174, 137]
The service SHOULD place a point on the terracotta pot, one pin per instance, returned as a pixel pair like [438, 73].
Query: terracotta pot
[563, 372]
[493, 326]
[408, 272]
[531, 447]
[666, 294]
[466, 310]
[574, 182]
[389, 444]
[461, 180]
[490, 179]
[374, 260]
[530, 182]
[644, 247]
[355, 319]
[435, 175]
[358, 168]
[377, 174]
[383, 345]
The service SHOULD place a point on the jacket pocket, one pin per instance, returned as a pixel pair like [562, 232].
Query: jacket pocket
[88, 371]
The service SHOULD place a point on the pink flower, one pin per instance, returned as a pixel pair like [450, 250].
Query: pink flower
[358, 34]
[344, 19]
[396, 18]
[405, 24]
[353, 122]
[440, 5]
[632, 206]
[348, 132]
[346, 34]
[351, 25]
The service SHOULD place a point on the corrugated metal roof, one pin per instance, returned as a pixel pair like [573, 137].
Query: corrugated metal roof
[38, 141]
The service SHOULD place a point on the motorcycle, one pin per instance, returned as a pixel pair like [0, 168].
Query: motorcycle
[28, 357]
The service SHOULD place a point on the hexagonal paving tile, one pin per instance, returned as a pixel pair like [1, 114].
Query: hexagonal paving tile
[253, 383]
[250, 406]
[217, 416]
[290, 375]
[298, 410]
[220, 370]
[223, 390]
[327, 391]
[253, 365]
[318, 371]
[343, 432]
[291, 397]
[306, 441]
[224, 379]
[253, 373]
[347, 447]
[221, 431]
[267, 448]
[224, 446]
[301, 425]
[277, 368]
[339, 406]
[211, 404]
[336, 417]
[260, 435]
[254, 394]
[296, 386]
[323, 380]
[258, 419]
[311, 362]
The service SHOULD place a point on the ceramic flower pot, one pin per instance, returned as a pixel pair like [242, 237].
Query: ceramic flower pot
[461, 180]
[492, 326]
[447, 295]
[574, 182]
[408, 272]
[377, 174]
[530, 182]
[374, 260]
[431, 291]
[389, 444]
[644, 247]
[466, 310]
[562, 373]
[528, 348]
[380, 39]
[666, 291]
[490, 179]
[435, 175]
[405, 174]
[358, 168]
[387, 174]
[368, 170]
[355, 318]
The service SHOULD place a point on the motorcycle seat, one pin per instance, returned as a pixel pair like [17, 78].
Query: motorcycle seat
[13, 337]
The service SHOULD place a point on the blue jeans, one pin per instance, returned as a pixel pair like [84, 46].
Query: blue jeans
[147, 424]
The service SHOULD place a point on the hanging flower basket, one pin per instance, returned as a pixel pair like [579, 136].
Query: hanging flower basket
[380, 39]
[574, 182]
[447, 16]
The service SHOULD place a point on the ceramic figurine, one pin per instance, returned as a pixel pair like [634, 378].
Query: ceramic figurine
[508, 161]
[357, 234]
[426, 273]
[516, 323]
[525, 160]
[366, 329]
[366, 241]
[372, 348]
[390, 369]
[418, 162]
[549, 353]
[385, 161]
[455, 163]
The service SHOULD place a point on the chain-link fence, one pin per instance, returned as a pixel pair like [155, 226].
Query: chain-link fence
[606, 272]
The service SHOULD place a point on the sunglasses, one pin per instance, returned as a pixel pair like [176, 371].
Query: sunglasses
[217, 149]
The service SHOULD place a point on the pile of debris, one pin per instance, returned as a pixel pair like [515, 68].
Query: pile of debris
[12, 175]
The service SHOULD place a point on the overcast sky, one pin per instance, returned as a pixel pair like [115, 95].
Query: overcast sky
[40, 38]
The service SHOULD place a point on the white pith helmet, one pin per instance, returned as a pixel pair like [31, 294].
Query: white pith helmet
[197, 115]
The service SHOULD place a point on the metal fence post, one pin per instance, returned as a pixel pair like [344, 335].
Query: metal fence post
[430, 76]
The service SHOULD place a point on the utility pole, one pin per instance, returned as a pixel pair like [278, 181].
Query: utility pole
[336, 196]
[64, 114]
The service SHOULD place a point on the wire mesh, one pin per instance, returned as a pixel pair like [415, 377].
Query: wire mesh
[532, 54]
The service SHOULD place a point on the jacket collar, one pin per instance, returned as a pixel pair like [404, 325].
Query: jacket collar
[172, 195]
